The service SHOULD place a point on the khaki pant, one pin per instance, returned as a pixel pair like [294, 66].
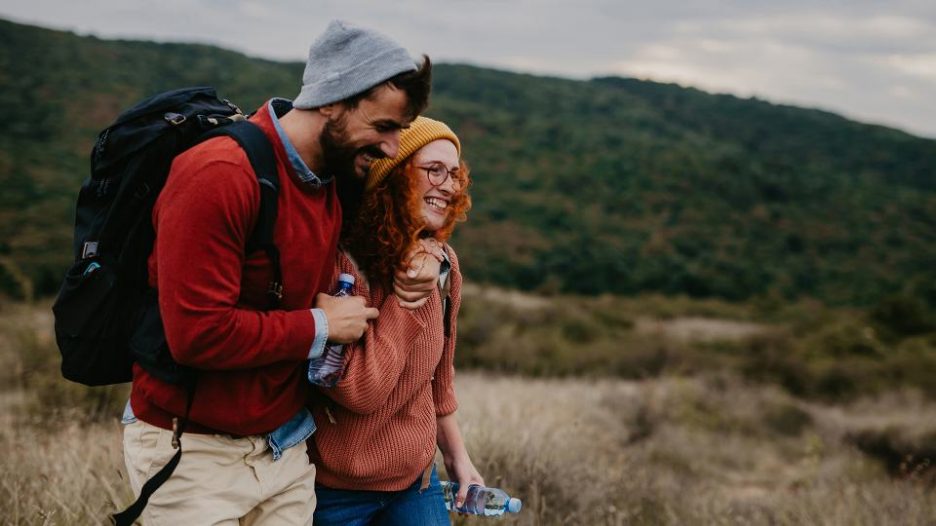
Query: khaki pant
[220, 480]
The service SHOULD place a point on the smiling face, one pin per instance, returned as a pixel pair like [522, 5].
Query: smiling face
[431, 163]
[353, 137]
[410, 197]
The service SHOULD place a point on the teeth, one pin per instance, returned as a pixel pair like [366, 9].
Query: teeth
[437, 203]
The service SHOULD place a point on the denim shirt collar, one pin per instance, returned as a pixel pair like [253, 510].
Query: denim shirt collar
[278, 107]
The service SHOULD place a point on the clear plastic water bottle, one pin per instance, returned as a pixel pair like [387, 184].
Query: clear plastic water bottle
[488, 502]
[327, 369]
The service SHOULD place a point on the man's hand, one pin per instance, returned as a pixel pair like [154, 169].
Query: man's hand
[347, 316]
[415, 283]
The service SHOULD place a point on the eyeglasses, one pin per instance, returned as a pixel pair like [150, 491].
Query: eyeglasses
[437, 174]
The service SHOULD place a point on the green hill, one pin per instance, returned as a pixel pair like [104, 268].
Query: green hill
[609, 185]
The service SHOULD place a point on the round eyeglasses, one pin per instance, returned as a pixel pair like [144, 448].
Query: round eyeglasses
[437, 174]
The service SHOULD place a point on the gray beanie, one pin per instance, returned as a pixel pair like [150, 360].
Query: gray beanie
[347, 60]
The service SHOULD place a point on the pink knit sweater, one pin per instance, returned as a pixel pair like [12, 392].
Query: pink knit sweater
[380, 434]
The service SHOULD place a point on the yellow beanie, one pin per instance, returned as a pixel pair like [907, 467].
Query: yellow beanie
[421, 132]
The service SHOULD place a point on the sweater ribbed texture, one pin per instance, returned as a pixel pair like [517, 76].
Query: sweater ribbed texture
[399, 378]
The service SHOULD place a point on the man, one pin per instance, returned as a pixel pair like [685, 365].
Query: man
[245, 458]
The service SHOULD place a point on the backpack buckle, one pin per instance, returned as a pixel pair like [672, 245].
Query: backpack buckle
[176, 433]
[213, 121]
[89, 249]
[232, 106]
[174, 119]
[275, 290]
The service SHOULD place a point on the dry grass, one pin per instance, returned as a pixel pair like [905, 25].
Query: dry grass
[667, 450]
[69, 475]
[687, 451]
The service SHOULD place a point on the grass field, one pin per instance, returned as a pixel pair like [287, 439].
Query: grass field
[706, 448]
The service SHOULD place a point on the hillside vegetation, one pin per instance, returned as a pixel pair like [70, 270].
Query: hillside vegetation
[713, 448]
[604, 186]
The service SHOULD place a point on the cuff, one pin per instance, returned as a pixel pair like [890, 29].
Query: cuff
[321, 333]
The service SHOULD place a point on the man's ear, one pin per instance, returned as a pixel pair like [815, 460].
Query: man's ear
[331, 111]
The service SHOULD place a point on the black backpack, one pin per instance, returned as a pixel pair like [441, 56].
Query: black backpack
[106, 315]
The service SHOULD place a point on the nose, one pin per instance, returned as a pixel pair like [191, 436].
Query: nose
[390, 145]
[449, 185]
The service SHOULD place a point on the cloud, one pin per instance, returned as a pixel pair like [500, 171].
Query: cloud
[921, 65]
[864, 58]
[870, 67]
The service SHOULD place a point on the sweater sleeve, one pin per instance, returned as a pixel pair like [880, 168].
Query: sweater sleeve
[376, 361]
[443, 383]
[203, 219]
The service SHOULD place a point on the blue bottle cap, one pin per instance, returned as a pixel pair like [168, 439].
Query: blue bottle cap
[346, 278]
[514, 505]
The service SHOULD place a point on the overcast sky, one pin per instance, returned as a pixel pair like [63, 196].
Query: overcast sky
[870, 60]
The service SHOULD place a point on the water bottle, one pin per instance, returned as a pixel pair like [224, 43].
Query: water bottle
[327, 369]
[488, 502]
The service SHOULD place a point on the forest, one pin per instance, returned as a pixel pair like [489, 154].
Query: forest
[610, 185]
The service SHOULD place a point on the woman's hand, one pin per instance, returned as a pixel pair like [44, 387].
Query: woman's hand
[462, 470]
[415, 283]
[458, 464]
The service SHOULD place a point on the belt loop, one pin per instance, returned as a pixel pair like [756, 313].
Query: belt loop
[426, 477]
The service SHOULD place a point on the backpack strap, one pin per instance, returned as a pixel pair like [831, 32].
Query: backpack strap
[259, 151]
[445, 290]
[129, 515]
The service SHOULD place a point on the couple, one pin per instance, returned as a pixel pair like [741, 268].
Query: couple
[252, 454]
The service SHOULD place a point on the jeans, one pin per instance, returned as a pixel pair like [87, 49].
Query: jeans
[408, 507]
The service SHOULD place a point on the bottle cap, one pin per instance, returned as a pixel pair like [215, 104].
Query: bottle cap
[346, 278]
[514, 505]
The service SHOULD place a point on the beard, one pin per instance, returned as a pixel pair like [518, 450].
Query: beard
[339, 156]
[337, 153]
[350, 192]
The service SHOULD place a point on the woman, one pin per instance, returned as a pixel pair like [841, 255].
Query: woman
[379, 427]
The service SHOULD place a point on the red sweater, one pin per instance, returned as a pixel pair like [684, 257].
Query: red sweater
[211, 296]
[399, 379]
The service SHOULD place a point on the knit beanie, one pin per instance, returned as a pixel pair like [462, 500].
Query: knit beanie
[421, 132]
[347, 60]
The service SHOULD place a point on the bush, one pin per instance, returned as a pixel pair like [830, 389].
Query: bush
[901, 316]
[32, 365]
[787, 419]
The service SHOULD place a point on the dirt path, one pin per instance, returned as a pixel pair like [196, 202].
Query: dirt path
[695, 329]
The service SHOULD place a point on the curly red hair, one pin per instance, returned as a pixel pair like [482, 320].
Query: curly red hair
[389, 222]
